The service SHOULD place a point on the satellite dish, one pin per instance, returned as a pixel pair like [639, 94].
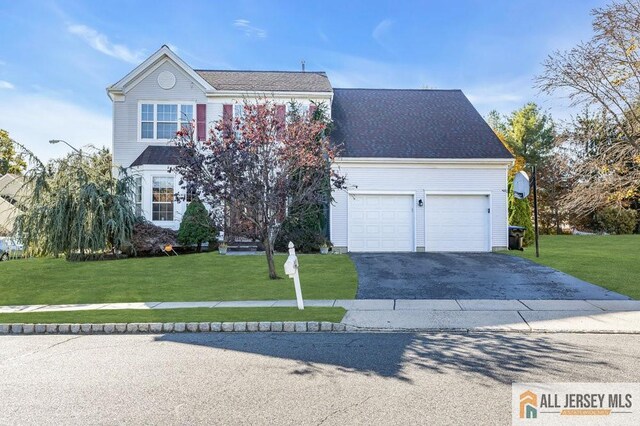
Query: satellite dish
[521, 185]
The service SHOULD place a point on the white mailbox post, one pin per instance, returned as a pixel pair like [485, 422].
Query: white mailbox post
[291, 269]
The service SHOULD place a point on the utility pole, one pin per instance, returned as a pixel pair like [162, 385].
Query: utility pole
[535, 208]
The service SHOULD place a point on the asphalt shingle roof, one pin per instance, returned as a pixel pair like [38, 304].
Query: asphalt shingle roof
[157, 154]
[411, 124]
[276, 81]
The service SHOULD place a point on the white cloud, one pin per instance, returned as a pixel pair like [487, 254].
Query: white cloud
[381, 29]
[249, 30]
[35, 119]
[101, 43]
[6, 85]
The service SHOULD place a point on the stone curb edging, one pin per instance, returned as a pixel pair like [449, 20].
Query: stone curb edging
[252, 327]
[176, 327]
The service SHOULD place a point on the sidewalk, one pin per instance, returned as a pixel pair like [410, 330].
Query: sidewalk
[600, 316]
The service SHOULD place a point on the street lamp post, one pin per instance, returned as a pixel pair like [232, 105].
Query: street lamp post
[54, 141]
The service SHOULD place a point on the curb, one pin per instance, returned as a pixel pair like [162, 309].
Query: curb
[176, 327]
[259, 327]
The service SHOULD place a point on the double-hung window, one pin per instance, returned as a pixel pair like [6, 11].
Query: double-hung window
[238, 112]
[138, 196]
[191, 193]
[186, 116]
[162, 199]
[167, 124]
[147, 115]
[163, 120]
[300, 109]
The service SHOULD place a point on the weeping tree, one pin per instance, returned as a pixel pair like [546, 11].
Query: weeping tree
[76, 206]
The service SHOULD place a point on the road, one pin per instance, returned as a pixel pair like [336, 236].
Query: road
[297, 379]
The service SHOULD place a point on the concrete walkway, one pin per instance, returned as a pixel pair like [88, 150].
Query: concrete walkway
[606, 316]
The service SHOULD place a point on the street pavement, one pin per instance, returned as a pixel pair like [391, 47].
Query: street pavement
[301, 379]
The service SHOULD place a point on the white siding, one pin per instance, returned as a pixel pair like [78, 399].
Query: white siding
[419, 179]
[126, 144]
[147, 173]
[126, 141]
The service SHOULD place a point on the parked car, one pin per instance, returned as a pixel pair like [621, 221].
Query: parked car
[10, 249]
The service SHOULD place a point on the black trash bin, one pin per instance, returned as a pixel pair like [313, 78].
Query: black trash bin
[516, 237]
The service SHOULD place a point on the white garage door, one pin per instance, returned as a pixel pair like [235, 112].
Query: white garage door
[457, 223]
[381, 223]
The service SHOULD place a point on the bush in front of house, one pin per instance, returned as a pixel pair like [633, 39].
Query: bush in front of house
[615, 220]
[304, 230]
[149, 239]
[196, 226]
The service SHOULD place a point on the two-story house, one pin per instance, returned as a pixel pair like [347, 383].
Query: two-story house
[425, 172]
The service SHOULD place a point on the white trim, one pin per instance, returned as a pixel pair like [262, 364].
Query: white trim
[370, 192]
[159, 56]
[457, 192]
[269, 94]
[374, 192]
[423, 160]
[490, 213]
[506, 204]
[155, 117]
[173, 202]
[381, 163]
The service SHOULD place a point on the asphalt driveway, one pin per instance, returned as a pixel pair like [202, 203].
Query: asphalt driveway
[466, 276]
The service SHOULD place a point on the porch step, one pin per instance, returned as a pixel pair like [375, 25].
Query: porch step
[242, 248]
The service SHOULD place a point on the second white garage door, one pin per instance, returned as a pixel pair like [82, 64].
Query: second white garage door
[457, 223]
[381, 223]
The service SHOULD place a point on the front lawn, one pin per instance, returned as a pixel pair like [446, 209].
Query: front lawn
[195, 277]
[176, 315]
[610, 261]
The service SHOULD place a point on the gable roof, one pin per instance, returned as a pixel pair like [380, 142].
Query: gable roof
[267, 81]
[395, 123]
[158, 155]
[152, 62]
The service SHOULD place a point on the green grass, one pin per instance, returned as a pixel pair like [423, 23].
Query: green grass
[206, 276]
[177, 315]
[610, 261]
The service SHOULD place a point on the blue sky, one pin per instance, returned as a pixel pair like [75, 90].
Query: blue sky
[57, 57]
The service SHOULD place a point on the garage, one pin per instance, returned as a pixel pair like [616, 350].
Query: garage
[457, 222]
[381, 223]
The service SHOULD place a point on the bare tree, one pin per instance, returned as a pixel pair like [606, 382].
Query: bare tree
[604, 73]
[261, 165]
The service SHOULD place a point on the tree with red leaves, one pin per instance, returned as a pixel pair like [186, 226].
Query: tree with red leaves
[262, 165]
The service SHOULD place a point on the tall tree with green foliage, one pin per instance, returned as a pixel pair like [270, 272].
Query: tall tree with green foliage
[519, 214]
[196, 226]
[76, 206]
[530, 135]
[10, 160]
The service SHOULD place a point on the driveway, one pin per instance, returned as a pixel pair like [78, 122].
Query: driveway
[466, 276]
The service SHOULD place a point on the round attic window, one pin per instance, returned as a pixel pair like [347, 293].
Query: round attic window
[166, 80]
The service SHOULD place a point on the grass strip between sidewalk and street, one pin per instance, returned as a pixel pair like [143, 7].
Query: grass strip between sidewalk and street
[176, 315]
